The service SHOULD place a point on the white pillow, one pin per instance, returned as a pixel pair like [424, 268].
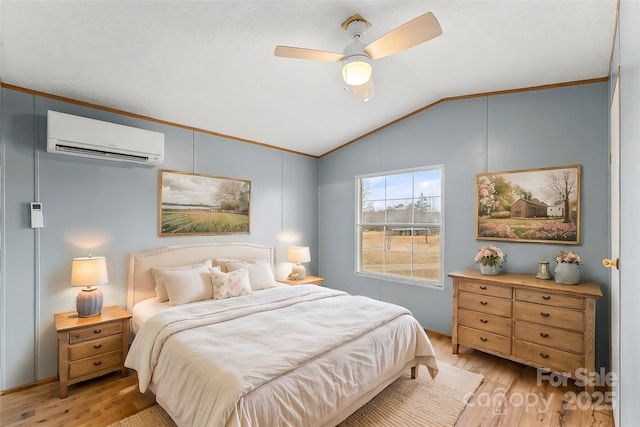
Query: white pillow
[158, 278]
[222, 263]
[232, 284]
[260, 274]
[185, 286]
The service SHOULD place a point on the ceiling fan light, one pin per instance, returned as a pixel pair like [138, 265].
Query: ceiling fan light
[356, 70]
[365, 92]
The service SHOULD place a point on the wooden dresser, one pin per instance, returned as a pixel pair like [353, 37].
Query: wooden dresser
[536, 322]
[91, 346]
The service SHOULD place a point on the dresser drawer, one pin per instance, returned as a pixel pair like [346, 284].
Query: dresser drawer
[560, 339]
[484, 340]
[94, 364]
[95, 347]
[548, 358]
[93, 332]
[485, 322]
[486, 289]
[485, 304]
[548, 315]
[549, 298]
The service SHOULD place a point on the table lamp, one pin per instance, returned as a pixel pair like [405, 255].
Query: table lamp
[89, 271]
[298, 254]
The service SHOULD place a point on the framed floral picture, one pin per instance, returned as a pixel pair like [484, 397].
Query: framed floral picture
[535, 205]
[193, 204]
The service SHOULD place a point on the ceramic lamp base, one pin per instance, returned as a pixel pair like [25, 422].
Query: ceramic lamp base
[89, 302]
[299, 272]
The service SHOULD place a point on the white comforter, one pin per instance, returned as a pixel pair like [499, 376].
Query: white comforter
[285, 356]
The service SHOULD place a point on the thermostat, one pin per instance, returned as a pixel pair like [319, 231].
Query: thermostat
[37, 219]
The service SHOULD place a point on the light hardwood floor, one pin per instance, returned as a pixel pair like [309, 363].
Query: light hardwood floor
[510, 395]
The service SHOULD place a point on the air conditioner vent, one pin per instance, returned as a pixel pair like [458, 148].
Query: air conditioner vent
[84, 137]
[99, 153]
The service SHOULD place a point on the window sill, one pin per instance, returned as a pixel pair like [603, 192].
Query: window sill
[399, 279]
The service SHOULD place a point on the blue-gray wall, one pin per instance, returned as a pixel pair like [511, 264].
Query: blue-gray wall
[109, 208]
[524, 130]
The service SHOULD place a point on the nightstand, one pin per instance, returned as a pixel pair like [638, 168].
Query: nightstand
[309, 280]
[91, 346]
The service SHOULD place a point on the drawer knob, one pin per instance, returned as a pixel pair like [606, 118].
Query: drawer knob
[484, 288]
[546, 297]
[544, 355]
[97, 345]
[484, 302]
[97, 331]
[544, 335]
[98, 363]
[483, 339]
[484, 321]
[543, 314]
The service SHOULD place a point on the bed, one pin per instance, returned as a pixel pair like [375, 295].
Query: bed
[270, 355]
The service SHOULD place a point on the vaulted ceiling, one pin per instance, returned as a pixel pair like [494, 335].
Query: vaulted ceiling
[210, 65]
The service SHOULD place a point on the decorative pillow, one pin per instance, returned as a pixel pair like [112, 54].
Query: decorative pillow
[158, 278]
[232, 284]
[260, 274]
[185, 286]
[222, 263]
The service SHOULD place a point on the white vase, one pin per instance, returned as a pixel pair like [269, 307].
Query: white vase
[489, 270]
[567, 274]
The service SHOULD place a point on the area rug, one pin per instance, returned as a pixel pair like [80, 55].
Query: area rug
[419, 402]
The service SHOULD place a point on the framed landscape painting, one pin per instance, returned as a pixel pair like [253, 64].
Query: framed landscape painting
[536, 205]
[192, 204]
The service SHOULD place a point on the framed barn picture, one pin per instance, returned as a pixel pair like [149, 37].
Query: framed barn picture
[535, 205]
[195, 204]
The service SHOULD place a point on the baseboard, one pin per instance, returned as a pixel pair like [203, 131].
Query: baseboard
[28, 386]
[432, 332]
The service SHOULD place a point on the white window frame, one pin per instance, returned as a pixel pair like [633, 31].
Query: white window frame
[358, 224]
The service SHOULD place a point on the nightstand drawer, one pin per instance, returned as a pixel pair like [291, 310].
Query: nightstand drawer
[550, 298]
[550, 316]
[485, 304]
[481, 339]
[485, 322]
[95, 347]
[551, 337]
[486, 289]
[93, 332]
[94, 364]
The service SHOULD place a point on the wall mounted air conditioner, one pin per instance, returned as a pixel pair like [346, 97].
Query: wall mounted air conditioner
[84, 137]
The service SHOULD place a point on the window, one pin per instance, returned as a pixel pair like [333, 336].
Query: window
[399, 226]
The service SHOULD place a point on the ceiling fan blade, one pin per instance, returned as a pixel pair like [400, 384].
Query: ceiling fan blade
[412, 33]
[364, 92]
[302, 53]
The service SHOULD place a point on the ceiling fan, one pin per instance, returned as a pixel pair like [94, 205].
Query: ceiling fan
[356, 58]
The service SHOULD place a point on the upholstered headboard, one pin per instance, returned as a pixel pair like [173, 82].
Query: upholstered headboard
[140, 285]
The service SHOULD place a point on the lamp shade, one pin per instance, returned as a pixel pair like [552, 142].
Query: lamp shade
[356, 70]
[89, 271]
[298, 254]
